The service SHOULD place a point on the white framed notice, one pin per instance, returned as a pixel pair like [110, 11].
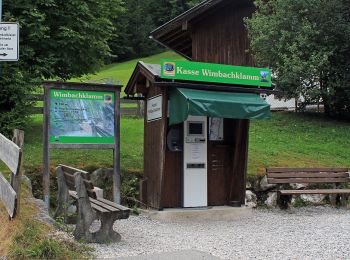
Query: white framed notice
[9, 41]
[154, 108]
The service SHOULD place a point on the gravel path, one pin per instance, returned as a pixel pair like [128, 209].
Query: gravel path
[306, 233]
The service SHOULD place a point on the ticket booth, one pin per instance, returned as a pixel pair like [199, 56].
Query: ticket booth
[197, 112]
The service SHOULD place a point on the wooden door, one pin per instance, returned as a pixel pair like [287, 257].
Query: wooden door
[219, 165]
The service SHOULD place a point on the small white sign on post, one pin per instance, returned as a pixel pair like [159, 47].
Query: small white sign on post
[9, 41]
[154, 108]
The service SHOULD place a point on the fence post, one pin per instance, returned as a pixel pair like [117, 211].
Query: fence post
[18, 139]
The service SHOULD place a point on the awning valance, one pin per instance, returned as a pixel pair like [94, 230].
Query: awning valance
[184, 102]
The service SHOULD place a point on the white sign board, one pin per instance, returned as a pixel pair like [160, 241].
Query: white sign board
[154, 108]
[9, 41]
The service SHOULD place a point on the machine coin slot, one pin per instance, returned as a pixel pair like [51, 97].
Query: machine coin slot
[196, 166]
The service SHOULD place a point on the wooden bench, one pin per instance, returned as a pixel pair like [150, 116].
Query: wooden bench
[11, 156]
[76, 184]
[286, 176]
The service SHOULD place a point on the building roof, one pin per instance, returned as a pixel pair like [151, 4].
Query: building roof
[152, 68]
[175, 34]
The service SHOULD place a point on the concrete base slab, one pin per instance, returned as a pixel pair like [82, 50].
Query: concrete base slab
[179, 255]
[217, 213]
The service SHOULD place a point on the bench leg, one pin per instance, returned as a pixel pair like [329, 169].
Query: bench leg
[85, 213]
[106, 232]
[343, 200]
[63, 197]
[283, 201]
[84, 221]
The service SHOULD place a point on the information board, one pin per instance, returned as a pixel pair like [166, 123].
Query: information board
[81, 117]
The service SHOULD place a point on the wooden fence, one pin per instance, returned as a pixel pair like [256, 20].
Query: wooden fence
[128, 107]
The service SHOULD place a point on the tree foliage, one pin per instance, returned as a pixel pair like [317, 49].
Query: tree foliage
[307, 45]
[65, 39]
[138, 20]
[58, 39]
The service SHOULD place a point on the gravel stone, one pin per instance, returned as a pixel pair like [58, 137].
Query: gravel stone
[305, 233]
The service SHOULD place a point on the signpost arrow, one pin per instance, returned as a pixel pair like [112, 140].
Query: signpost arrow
[3, 54]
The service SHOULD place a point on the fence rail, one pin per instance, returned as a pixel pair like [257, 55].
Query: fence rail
[126, 111]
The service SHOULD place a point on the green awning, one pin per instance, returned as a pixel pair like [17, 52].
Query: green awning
[184, 102]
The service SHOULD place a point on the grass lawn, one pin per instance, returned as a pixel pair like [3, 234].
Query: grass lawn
[131, 149]
[288, 139]
[122, 71]
[298, 140]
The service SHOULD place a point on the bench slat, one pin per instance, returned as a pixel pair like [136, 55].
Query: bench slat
[70, 181]
[306, 180]
[93, 205]
[283, 169]
[320, 191]
[72, 170]
[108, 205]
[307, 174]
[120, 207]
[70, 178]
[104, 205]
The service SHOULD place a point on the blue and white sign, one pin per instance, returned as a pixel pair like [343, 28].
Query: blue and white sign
[9, 41]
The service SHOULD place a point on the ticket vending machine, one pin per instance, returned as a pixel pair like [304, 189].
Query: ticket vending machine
[195, 172]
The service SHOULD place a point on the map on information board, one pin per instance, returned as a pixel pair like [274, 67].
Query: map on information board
[81, 117]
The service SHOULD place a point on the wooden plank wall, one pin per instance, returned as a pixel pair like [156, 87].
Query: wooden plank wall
[173, 176]
[221, 37]
[154, 152]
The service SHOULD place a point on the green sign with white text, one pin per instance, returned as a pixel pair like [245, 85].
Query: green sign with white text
[81, 117]
[216, 73]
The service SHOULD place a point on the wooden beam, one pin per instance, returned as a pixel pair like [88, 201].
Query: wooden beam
[18, 139]
[116, 150]
[10, 154]
[282, 169]
[307, 180]
[46, 153]
[8, 196]
[282, 175]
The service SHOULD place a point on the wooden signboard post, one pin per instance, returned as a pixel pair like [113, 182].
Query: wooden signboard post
[81, 116]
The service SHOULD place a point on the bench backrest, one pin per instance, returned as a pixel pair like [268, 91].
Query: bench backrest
[11, 156]
[69, 172]
[307, 175]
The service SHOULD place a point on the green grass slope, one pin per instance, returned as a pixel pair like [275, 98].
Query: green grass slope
[122, 71]
[288, 139]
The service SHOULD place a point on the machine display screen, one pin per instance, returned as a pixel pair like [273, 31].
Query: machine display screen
[195, 128]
